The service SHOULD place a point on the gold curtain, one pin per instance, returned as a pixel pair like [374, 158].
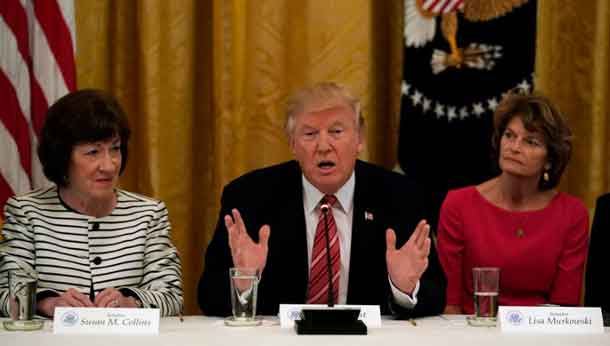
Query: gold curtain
[204, 85]
[155, 57]
[572, 67]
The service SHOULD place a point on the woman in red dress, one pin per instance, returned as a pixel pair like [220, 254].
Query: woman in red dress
[518, 221]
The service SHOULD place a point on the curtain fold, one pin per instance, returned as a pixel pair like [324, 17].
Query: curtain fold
[204, 85]
[572, 67]
[144, 53]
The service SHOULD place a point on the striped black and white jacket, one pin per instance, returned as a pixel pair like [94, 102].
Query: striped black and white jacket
[130, 249]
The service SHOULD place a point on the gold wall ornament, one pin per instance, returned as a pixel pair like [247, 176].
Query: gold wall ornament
[420, 29]
[483, 10]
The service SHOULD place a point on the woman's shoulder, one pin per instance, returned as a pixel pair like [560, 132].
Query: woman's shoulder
[462, 198]
[570, 204]
[38, 196]
[133, 198]
[42, 203]
[467, 192]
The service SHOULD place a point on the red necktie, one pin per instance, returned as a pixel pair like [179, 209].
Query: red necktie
[318, 276]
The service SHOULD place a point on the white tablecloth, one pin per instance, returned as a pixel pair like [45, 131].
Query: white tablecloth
[206, 331]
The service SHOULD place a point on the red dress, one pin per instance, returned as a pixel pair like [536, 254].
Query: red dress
[541, 254]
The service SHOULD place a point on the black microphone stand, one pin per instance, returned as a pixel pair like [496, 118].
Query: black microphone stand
[331, 320]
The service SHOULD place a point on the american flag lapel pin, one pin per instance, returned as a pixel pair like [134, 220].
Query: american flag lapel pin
[368, 216]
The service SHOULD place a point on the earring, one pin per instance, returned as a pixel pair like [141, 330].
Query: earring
[545, 177]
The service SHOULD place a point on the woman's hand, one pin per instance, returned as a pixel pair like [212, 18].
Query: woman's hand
[71, 297]
[113, 298]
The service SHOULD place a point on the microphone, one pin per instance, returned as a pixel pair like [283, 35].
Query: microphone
[324, 208]
[333, 320]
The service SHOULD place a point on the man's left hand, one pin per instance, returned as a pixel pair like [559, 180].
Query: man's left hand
[407, 264]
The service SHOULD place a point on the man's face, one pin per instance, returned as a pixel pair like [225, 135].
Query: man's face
[326, 141]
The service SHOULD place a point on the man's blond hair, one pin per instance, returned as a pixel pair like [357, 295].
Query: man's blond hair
[323, 93]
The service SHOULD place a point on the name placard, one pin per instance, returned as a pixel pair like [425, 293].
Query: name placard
[369, 314]
[559, 320]
[68, 320]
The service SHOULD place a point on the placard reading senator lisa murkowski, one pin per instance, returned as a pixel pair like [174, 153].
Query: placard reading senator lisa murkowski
[560, 320]
[68, 320]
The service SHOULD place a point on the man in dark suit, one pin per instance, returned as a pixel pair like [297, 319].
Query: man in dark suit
[597, 288]
[382, 255]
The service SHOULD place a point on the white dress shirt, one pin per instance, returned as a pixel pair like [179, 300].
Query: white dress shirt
[343, 212]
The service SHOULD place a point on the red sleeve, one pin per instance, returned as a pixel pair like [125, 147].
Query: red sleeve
[451, 247]
[567, 285]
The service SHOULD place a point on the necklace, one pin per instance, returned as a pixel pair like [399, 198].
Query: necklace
[521, 218]
[520, 232]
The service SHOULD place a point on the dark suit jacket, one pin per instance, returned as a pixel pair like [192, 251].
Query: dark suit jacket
[274, 196]
[597, 288]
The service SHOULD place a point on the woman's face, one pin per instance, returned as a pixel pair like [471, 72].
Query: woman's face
[94, 168]
[522, 153]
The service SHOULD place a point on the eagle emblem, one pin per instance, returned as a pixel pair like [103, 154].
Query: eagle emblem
[420, 28]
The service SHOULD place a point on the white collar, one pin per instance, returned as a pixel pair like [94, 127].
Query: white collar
[345, 195]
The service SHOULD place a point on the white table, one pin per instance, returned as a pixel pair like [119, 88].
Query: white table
[206, 331]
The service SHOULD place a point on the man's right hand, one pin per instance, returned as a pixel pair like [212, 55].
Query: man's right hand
[71, 297]
[245, 252]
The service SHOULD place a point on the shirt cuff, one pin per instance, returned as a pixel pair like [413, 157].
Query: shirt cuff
[128, 292]
[403, 299]
[45, 293]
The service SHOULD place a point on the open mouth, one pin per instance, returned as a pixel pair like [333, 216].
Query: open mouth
[326, 165]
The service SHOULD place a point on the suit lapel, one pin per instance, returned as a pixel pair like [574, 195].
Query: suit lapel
[362, 232]
[294, 239]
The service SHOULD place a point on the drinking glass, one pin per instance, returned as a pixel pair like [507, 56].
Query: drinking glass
[22, 302]
[244, 289]
[486, 290]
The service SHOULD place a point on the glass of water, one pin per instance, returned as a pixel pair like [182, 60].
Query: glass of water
[22, 302]
[244, 291]
[486, 287]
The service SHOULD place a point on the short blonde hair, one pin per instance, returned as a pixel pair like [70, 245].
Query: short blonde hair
[320, 93]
